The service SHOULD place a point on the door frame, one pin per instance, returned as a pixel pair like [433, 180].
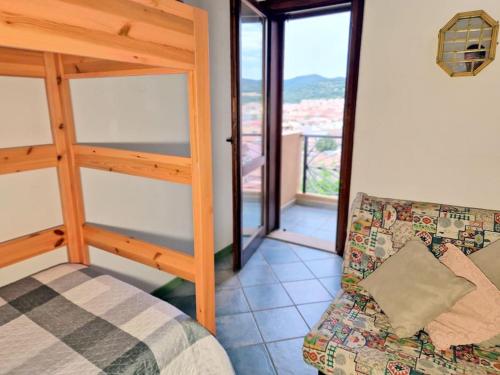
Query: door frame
[242, 254]
[278, 12]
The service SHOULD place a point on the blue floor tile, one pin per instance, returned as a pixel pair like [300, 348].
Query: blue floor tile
[225, 279]
[312, 312]
[288, 359]
[263, 297]
[279, 255]
[292, 271]
[316, 222]
[307, 291]
[256, 275]
[237, 330]
[230, 301]
[306, 253]
[332, 284]
[320, 268]
[265, 310]
[256, 260]
[275, 244]
[251, 360]
[281, 324]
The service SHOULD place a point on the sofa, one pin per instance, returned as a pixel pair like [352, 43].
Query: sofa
[354, 336]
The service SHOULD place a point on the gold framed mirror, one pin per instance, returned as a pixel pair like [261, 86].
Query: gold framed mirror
[467, 43]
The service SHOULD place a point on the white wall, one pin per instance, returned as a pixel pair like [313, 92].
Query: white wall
[145, 113]
[29, 201]
[419, 133]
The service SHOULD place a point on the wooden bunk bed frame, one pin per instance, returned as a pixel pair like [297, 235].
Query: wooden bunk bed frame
[59, 40]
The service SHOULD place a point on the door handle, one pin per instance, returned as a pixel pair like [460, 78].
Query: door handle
[229, 140]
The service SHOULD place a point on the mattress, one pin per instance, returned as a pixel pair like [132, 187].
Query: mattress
[71, 319]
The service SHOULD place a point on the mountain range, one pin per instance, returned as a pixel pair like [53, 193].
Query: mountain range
[299, 88]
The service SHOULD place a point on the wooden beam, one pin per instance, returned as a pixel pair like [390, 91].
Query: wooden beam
[63, 133]
[201, 156]
[119, 30]
[21, 63]
[28, 246]
[18, 159]
[86, 67]
[169, 6]
[160, 257]
[144, 164]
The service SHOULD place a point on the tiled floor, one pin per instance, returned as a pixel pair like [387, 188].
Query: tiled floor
[310, 221]
[264, 311]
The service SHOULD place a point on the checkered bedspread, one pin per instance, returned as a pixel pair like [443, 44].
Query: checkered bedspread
[70, 319]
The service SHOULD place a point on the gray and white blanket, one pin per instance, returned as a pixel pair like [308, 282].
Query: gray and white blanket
[70, 319]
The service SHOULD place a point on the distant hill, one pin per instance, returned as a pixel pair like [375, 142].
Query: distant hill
[299, 88]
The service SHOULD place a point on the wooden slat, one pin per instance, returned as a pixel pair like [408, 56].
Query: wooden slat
[86, 67]
[161, 167]
[28, 246]
[18, 159]
[21, 63]
[119, 30]
[169, 6]
[160, 257]
[201, 155]
[63, 133]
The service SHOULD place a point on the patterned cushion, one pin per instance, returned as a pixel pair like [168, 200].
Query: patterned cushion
[354, 336]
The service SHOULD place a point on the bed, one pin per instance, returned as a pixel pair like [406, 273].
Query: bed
[72, 319]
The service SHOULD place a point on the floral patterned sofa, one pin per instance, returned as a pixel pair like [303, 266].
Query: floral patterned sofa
[353, 335]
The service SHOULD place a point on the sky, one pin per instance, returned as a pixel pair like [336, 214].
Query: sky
[314, 45]
[317, 45]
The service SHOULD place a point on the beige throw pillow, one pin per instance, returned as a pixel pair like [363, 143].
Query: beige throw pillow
[488, 261]
[412, 287]
[476, 316]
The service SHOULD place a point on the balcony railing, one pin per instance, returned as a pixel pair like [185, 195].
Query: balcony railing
[321, 164]
[310, 165]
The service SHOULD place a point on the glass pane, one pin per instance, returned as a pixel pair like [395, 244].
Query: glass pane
[251, 84]
[252, 204]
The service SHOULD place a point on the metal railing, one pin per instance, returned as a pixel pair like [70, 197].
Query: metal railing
[321, 164]
[320, 169]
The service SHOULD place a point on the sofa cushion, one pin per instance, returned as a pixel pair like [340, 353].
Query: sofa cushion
[412, 287]
[488, 261]
[380, 227]
[353, 337]
[476, 316]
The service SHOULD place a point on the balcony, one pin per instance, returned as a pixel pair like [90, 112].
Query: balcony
[309, 186]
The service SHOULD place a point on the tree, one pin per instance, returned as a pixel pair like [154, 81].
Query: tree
[322, 181]
[326, 144]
